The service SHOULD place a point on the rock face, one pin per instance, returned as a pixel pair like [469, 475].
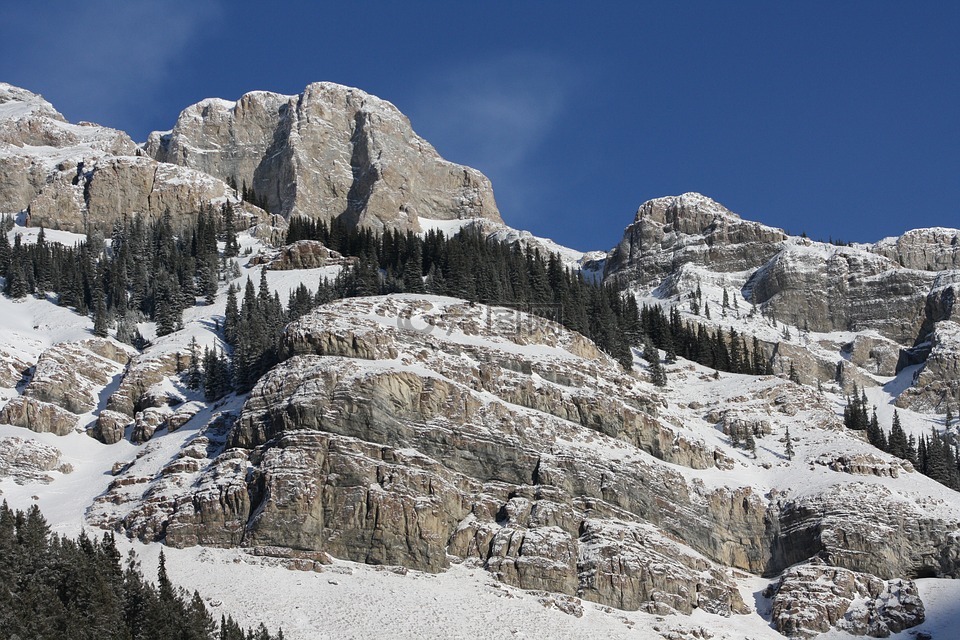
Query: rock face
[416, 431]
[27, 460]
[330, 151]
[65, 174]
[66, 382]
[935, 249]
[303, 254]
[880, 303]
[855, 291]
[39, 416]
[70, 375]
[351, 448]
[937, 384]
[811, 599]
[670, 231]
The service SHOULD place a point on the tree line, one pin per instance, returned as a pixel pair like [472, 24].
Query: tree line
[933, 455]
[55, 587]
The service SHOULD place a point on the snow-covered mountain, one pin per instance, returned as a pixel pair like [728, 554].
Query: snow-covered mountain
[423, 465]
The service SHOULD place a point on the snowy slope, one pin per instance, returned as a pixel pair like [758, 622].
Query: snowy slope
[350, 600]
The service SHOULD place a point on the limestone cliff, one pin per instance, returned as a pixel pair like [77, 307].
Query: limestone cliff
[329, 151]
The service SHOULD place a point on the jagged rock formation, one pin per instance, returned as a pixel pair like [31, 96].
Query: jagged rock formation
[303, 254]
[671, 231]
[330, 151]
[66, 174]
[855, 291]
[28, 460]
[935, 249]
[413, 430]
[893, 293]
[66, 382]
[813, 598]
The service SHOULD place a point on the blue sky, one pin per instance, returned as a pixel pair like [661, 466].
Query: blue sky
[839, 119]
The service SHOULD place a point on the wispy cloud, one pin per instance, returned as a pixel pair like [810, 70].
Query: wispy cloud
[99, 58]
[493, 115]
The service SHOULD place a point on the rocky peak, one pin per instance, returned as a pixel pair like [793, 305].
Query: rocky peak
[693, 228]
[329, 151]
[932, 249]
[28, 120]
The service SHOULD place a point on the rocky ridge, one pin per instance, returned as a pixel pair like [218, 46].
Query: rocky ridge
[329, 152]
[871, 309]
[380, 439]
[61, 174]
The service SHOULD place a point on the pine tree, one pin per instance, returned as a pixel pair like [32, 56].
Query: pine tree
[101, 317]
[194, 376]
[231, 246]
[897, 443]
[788, 448]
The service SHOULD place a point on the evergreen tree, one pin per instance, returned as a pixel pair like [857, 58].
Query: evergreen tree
[231, 246]
[101, 317]
[897, 443]
[788, 448]
[194, 375]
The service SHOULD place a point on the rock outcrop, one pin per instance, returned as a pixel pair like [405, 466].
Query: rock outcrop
[933, 249]
[27, 460]
[811, 599]
[66, 174]
[855, 291]
[39, 416]
[303, 254]
[66, 382]
[328, 152]
[937, 384]
[671, 231]
[416, 431]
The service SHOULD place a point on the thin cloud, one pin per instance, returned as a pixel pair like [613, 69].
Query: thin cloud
[99, 59]
[493, 115]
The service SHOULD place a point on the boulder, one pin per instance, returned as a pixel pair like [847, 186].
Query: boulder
[39, 416]
[27, 460]
[110, 426]
[812, 598]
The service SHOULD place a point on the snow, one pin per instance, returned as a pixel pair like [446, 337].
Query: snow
[352, 600]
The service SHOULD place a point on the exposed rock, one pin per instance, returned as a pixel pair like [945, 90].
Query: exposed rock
[937, 385]
[110, 426]
[64, 173]
[143, 372]
[856, 290]
[27, 460]
[39, 416]
[813, 598]
[862, 464]
[12, 369]
[935, 249]
[146, 423]
[330, 151]
[70, 375]
[303, 254]
[668, 232]
[875, 354]
[880, 536]
[417, 430]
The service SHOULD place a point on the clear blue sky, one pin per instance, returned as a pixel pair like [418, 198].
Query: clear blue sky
[841, 119]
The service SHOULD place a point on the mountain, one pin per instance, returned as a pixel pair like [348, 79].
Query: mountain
[328, 152]
[856, 310]
[404, 434]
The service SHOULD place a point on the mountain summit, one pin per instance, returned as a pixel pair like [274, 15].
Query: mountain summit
[330, 151]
